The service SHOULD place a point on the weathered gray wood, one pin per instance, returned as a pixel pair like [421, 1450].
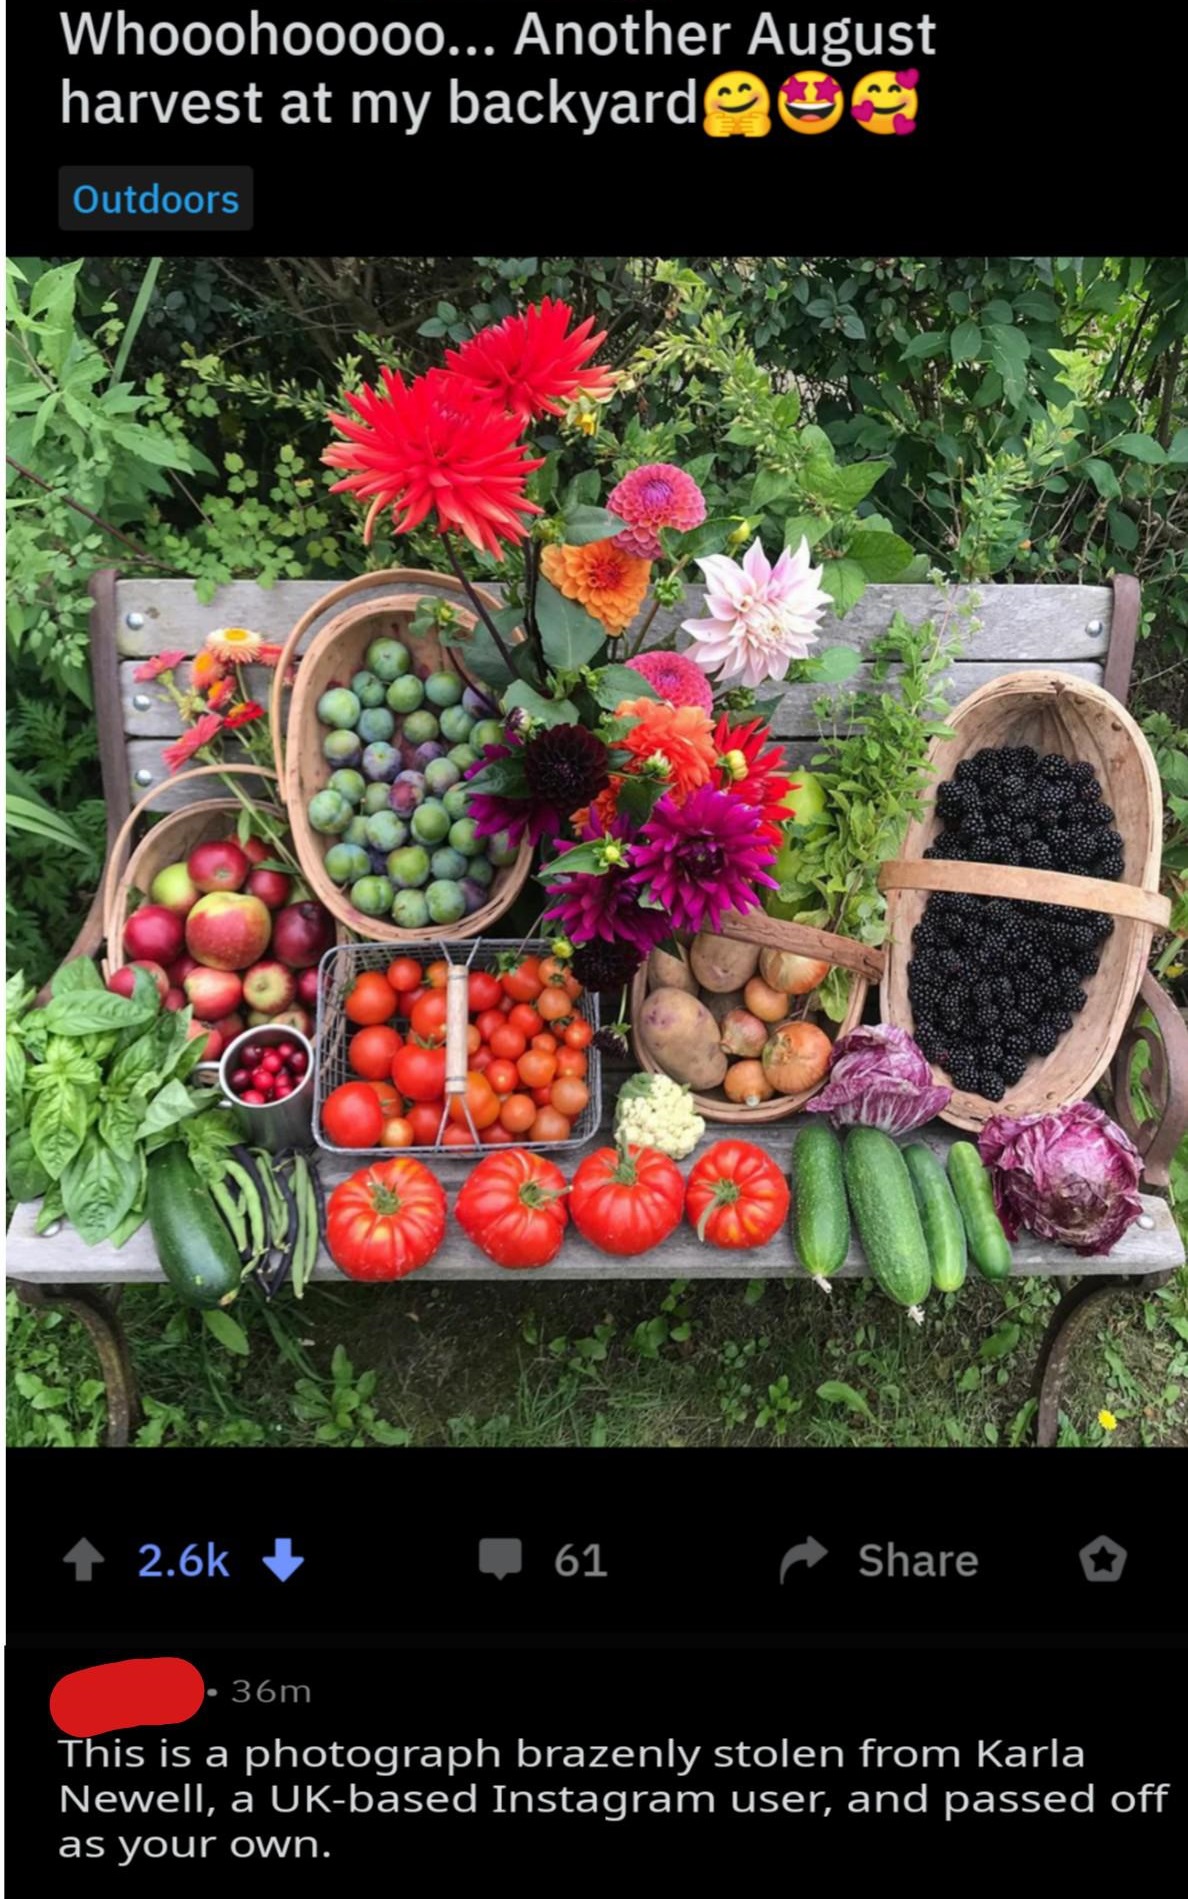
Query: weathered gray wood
[1043, 623]
[60, 1260]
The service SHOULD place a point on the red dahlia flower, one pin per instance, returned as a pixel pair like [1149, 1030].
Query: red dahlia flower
[529, 365]
[755, 771]
[435, 447]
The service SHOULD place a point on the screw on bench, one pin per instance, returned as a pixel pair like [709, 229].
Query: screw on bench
[1095, 629]
[134, 620]
[143, 777]
[141, 702]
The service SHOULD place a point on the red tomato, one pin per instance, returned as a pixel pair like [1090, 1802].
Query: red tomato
[372, 1052]
[481, 1100]
[625, 1203]
[481, 1060]
[572, 1061]
[425, 1118]
[485, 991]
[507, 1042]
[537, 1068]
[497, 1136]
[386, 1221]
[389, 1100]
[419, 1073]
[369, 998]
[525, 1018]
[546, 1042]
[352, 1115]
[428, 1019]
[502, 1077]
[554, 1004]
[579, 1033]
[517, 1114]
[569, 1095]
[550, 1126]
[407, 1000]
[404, 974]
[489, 1022]
[474, 1040]
[736, 1196]
[456, 1136]
[542, 1097]
[522, 983]
[398, 1132]
[513, 1207]
[437, 974]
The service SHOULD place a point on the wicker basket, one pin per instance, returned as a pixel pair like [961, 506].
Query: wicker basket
[335, 653]
[771, 933]
[1053, 712]
[338, 970]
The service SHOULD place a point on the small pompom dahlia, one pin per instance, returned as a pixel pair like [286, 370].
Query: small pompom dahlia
[675, 678]
[605, 967]
[610, 583]
[654, 497]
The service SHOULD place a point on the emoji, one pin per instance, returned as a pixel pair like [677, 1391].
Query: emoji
[811, 102]
[887, 103]
[737, 105]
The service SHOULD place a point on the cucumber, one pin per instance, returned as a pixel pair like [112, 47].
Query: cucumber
[198, 1255]
[820, 1212]
[888, 1221]
[939, 1216]
[975, 1196]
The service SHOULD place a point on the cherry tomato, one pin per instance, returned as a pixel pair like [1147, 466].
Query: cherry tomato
[502, 1076]
[508, 1043]
[554, 1005]
[543, 1097]
[397, 1132]
[424, 1118]
[404, 974]
[373, 1050]
[488, 1022]
[419, 1073]
[437, 974]
[537, 1068]
[497, 1136]
[572, 1061]
[481, 1101]
[570, 1096]
[485, 990]
[551, 970]
[550, 1126]
[579, 1033]
[352, 1116]
[523, 983]
[369, 999]
[474, 1040]
[517, 1114]
[456, 1136]
[407, 1000]
[428, 1019]
[573, 987]
[545, 1043]
[390, 1102]
[481, 1060]
[525, 1018]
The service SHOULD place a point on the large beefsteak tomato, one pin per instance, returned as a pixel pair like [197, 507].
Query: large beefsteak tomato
[625, 1200]
[386, 1221]
[513, 1206]
[737, 1196]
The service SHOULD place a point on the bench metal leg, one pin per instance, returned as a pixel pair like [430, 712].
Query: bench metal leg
[1064, 1329]
[97, 1311]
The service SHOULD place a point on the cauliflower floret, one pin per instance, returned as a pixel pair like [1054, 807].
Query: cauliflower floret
[655, 1111]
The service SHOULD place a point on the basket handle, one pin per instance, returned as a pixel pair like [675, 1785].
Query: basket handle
[417, 577]
[1028, 886]
[120, 850]
[774, 933]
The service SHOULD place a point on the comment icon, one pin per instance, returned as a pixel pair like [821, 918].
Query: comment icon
[500, 1556]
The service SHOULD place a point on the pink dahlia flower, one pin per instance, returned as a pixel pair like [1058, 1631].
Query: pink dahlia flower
[654, 497]
[675, 678]
[709, 856]
[761, 617]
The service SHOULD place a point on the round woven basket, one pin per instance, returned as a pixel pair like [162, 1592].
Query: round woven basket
[335, 652]
[1053, 712]
[771, 933]
[131, 868]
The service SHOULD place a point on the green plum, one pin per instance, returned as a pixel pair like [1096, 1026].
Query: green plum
[375, 723]
[456, 799]
[430, 822]
[381, 762]
[351, 784]
[388, 660]
[457, 724]
[406, 693]
[420, 726]
[481, 871]
[409, 868]
[446, 902]
[375, 798]
[346, 863]
[339, 707]
[386, 832]
[463, 756]
[410, 910]
[441, 775]
[464, 837]
[329, 812]
[372, 895]
[444, 689]
[486, 732]
[342, 749]
[356, 831]
[368, 690]
[449, 865]
[501, 850]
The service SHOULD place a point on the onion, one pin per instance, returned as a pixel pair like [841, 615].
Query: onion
[795, 975]
[747, 1083]
[770, 1005]
[743, 1033]
[796, 1057]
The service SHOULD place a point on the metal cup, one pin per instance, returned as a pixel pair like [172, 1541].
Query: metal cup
[273, 1125]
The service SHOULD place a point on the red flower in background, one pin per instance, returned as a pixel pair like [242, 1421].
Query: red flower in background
[201, 733]
[530, 366]
[220, 694]
[153, 668]
[435, 447]
[755, 771]
[245, 713]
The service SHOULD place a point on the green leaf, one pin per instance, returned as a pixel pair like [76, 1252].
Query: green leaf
[1123, 529]
[881, 556]
[1000, 1343]
[174, 1103]
[549, 711]
[1103, 478]
[61, 1116]
[832, 666]
[768, 486]
[25, 1176]
[804, 527]
[638, 797]
[1143, 448]
[228, 1331]
[584, 860]
[1178, 448]
[699, 542]
[502, 778]
[483, 657]
[79, 973]
[845, 583]
[584, 524]
[119, 1123]
[88, 1012]
[613, 684]
[98, 1190]
[569, 635]
[833, 1391]
[842, 487]
[582, 490]
[965, 343]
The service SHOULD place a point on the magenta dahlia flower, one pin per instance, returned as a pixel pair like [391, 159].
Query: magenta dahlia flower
[703, 858]
[603, 905]
[675, 678]
[654, 497]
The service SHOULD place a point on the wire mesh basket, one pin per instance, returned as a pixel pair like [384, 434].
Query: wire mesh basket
[339, 968]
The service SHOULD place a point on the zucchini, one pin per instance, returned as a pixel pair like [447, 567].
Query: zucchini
[944, 1232]
[820, 1212]
[888, 1221]
[975, 1196]
[198, 1255]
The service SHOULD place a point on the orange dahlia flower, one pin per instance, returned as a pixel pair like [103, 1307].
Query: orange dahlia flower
[684, 735]
[609, 583]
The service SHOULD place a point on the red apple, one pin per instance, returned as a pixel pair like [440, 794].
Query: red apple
[153, 934]
[219, 865]
[172, 887]
[175, 999]
[213, 1048]
[269, 987]
[271, 886]
[228, 1026]
[124, 981]
[213, 992]
[307, 988]
[255, 849]
[227, 929]
[294, 1019]
[302, 933]
[179, 970]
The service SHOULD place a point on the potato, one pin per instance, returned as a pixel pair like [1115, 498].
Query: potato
[681, 1037]
[670, 972]
[721, 964]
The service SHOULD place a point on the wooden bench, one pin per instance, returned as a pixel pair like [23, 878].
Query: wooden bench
[1088, 631]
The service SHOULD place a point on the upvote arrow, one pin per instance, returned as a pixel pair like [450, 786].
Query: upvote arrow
[83, 1558]
[282, 1562]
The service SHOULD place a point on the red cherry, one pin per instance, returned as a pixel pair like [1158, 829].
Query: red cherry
[286, 1051]
[253, 1097]
[299, 1061]
[283, 1087]
[272, 1063]
[240, 1078]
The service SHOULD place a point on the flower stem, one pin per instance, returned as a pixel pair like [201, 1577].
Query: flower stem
[478, 605]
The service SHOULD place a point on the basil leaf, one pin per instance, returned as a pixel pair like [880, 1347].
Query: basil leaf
[90, 1012]
[61, 1116]
[174, 1103]
[81, 974]
[98, 1191]
[51, 1209]
[15, 1069]
[119, 1122]
[26, 1176]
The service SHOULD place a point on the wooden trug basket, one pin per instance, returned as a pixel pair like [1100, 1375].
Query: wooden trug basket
[334, 654]
[772, 933]
[1053, 712]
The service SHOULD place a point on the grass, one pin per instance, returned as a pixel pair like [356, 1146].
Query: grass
[704, 1363]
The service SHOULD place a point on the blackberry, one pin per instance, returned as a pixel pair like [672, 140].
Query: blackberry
[1037, 855]
[1061, 1021]
[992, 1085]
[1054, 768]
[1050, 800]
[1044, 1039]
[1086, 963]
[950, 800]
[1014, 1067]
[1081, 773]
[1103, 814]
